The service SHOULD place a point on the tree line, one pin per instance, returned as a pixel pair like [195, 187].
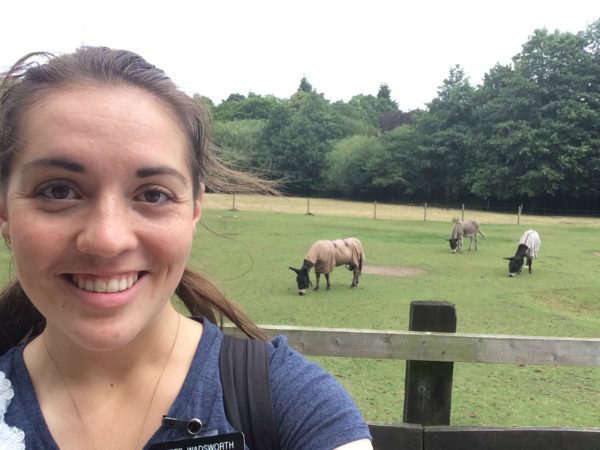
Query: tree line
[528, 134]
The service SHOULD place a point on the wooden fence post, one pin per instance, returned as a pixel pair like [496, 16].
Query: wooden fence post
[308, 213]
[463, 212]
[375, 210]
[425, 212]
[519, 209]
[428, 384]
[233, 208]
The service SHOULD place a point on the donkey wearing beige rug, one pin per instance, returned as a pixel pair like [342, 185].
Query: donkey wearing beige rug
[324, 256]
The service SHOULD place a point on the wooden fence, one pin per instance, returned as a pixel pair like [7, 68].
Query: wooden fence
[430, 356]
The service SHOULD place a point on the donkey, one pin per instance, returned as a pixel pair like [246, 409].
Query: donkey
[325, 256]
[469, 228]
[529, 246]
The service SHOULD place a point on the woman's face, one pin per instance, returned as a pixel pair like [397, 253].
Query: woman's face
[100, 212]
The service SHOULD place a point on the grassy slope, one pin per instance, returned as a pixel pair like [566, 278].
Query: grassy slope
[251, 258]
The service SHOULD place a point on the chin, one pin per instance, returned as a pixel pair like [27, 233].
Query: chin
[103, 337]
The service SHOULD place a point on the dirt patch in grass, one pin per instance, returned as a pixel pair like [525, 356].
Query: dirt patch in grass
[395, 271]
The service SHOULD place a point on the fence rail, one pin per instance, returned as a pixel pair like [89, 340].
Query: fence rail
[431, 346]
[417, 437]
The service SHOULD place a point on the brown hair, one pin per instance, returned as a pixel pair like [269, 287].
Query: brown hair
[29, 80]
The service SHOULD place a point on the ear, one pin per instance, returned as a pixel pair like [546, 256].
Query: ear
[295, 270]
[510, 259]
[198, 206]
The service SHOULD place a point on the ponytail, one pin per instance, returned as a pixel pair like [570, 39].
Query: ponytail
[202, 298]
[20, 321]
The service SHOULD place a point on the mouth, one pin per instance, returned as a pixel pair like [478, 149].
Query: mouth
[112, 284]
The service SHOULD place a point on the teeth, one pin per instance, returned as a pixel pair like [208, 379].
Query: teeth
[112, 286]
[105, 284]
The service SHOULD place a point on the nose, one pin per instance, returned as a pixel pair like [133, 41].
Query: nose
[107, 228]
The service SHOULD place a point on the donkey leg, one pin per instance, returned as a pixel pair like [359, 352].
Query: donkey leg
[318, 275]
[529, 263]
[327, 279]
[354, 277]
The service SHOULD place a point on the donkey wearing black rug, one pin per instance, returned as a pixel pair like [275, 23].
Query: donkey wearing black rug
[325, 256]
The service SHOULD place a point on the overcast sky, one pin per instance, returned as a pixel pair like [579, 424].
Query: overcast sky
[343, 47]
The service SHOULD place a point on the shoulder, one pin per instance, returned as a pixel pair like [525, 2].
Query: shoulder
[9, 362]
[12, 436]
[313, 410]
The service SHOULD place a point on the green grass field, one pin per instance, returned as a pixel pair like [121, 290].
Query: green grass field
[247, 254]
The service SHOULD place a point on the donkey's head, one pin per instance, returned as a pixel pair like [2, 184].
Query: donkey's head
[302, 279]
[453, 244]
[515, 264]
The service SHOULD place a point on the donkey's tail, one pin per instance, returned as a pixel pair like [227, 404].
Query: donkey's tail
[482, 235]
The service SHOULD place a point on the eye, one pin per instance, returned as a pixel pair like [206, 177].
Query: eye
[154, 195]
[58, 191]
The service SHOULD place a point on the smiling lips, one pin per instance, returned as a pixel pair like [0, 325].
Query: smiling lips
[112, 284]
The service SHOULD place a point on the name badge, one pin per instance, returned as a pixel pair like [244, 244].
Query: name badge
[229, 441]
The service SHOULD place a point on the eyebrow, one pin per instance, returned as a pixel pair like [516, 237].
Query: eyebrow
[57, 162]
[161, 170]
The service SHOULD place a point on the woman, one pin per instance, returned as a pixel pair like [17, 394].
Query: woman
[101, 158]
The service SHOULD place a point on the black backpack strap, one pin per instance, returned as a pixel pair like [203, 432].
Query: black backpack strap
[247, 395]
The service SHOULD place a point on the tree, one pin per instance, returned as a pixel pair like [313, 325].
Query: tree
[565, 69]
[388, 120]
[352, 121]
[297, 138]
[446, 140]
[505, 115]
[241, 141]
[347, 175]
[369, 107]
[395, 168]
[305, 86]
[235, 98]
[252, 107]
[538, 123]
[385, 96]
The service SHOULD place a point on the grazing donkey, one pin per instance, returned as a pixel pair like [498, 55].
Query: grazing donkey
[468, 228]
[529, 246]
[325, 256]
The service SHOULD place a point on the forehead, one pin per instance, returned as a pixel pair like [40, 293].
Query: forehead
[106, 119]
[121, 103]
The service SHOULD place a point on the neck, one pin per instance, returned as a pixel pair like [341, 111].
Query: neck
[148, 348]
[83, 422]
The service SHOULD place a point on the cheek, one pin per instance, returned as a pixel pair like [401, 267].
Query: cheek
[35, 242]
[170, 244]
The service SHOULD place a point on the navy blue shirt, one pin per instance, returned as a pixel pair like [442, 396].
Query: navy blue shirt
[313, 411]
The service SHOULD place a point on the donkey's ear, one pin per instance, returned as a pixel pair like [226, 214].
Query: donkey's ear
[510, 259]
[295, 270]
